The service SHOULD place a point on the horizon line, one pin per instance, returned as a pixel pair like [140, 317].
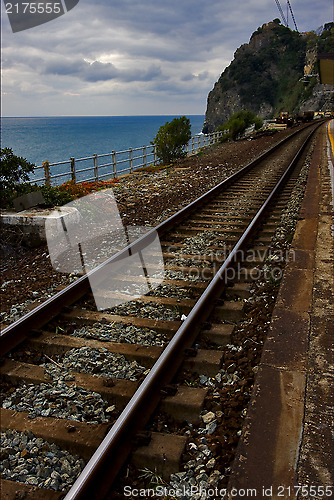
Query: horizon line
[99, 116]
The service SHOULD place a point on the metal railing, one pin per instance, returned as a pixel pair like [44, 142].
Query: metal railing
[109, 165]
[199, 141]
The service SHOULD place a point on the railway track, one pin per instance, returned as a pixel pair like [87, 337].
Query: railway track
[212, 250]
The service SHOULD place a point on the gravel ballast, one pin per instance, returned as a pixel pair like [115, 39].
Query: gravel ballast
[101, 362]
[58, 400]
[28, 459]
[119, 332]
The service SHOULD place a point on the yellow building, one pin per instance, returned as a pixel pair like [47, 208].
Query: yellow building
[326, 62]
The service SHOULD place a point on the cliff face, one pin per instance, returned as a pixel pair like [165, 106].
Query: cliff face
[266, 76]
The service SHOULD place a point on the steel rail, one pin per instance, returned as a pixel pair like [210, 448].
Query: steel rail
[28, 324]
[103, 467]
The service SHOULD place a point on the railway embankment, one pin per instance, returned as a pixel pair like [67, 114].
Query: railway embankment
[226, 367]
[286, 446]
[143, 198]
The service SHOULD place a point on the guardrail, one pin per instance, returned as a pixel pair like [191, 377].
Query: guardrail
[90, 168]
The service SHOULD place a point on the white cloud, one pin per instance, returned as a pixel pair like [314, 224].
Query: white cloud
[139, 57]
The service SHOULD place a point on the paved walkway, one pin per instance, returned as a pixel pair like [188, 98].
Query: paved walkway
[287, 443]
[316, 454]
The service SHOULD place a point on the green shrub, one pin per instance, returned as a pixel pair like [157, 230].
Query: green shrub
[53, 196]
[172, 138]
[237, 124]
[13, 169]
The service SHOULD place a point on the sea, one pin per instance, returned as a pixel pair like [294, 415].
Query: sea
[59, 138]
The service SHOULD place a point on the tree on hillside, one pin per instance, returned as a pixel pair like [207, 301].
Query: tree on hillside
[172, 138]
[238, 122]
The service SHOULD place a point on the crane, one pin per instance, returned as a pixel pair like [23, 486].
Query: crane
[293, 17]
[281, 12]
[285, 19]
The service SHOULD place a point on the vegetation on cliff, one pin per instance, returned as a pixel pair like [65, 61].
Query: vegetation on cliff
[267, 74]
[325, 42]
[238, 123]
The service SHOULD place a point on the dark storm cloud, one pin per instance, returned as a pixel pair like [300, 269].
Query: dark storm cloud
[97, 71]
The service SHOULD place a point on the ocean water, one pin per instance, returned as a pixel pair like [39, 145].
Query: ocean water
[58, 138]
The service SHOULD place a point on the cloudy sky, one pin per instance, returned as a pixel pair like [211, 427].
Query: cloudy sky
[133, 57]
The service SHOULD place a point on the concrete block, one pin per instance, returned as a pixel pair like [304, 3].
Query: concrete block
[29, 225]
[28, 200]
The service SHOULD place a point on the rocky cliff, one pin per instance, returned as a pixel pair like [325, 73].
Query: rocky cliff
[275, 71]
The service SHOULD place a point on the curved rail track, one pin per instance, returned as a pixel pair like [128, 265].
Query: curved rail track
[202, 246]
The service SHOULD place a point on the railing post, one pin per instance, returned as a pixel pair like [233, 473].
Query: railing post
[131, 160]
[155, 155]
[113, 156]
[47, 173]
[96, 168]
[144, 157]
[193, 144]
[73, 170]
